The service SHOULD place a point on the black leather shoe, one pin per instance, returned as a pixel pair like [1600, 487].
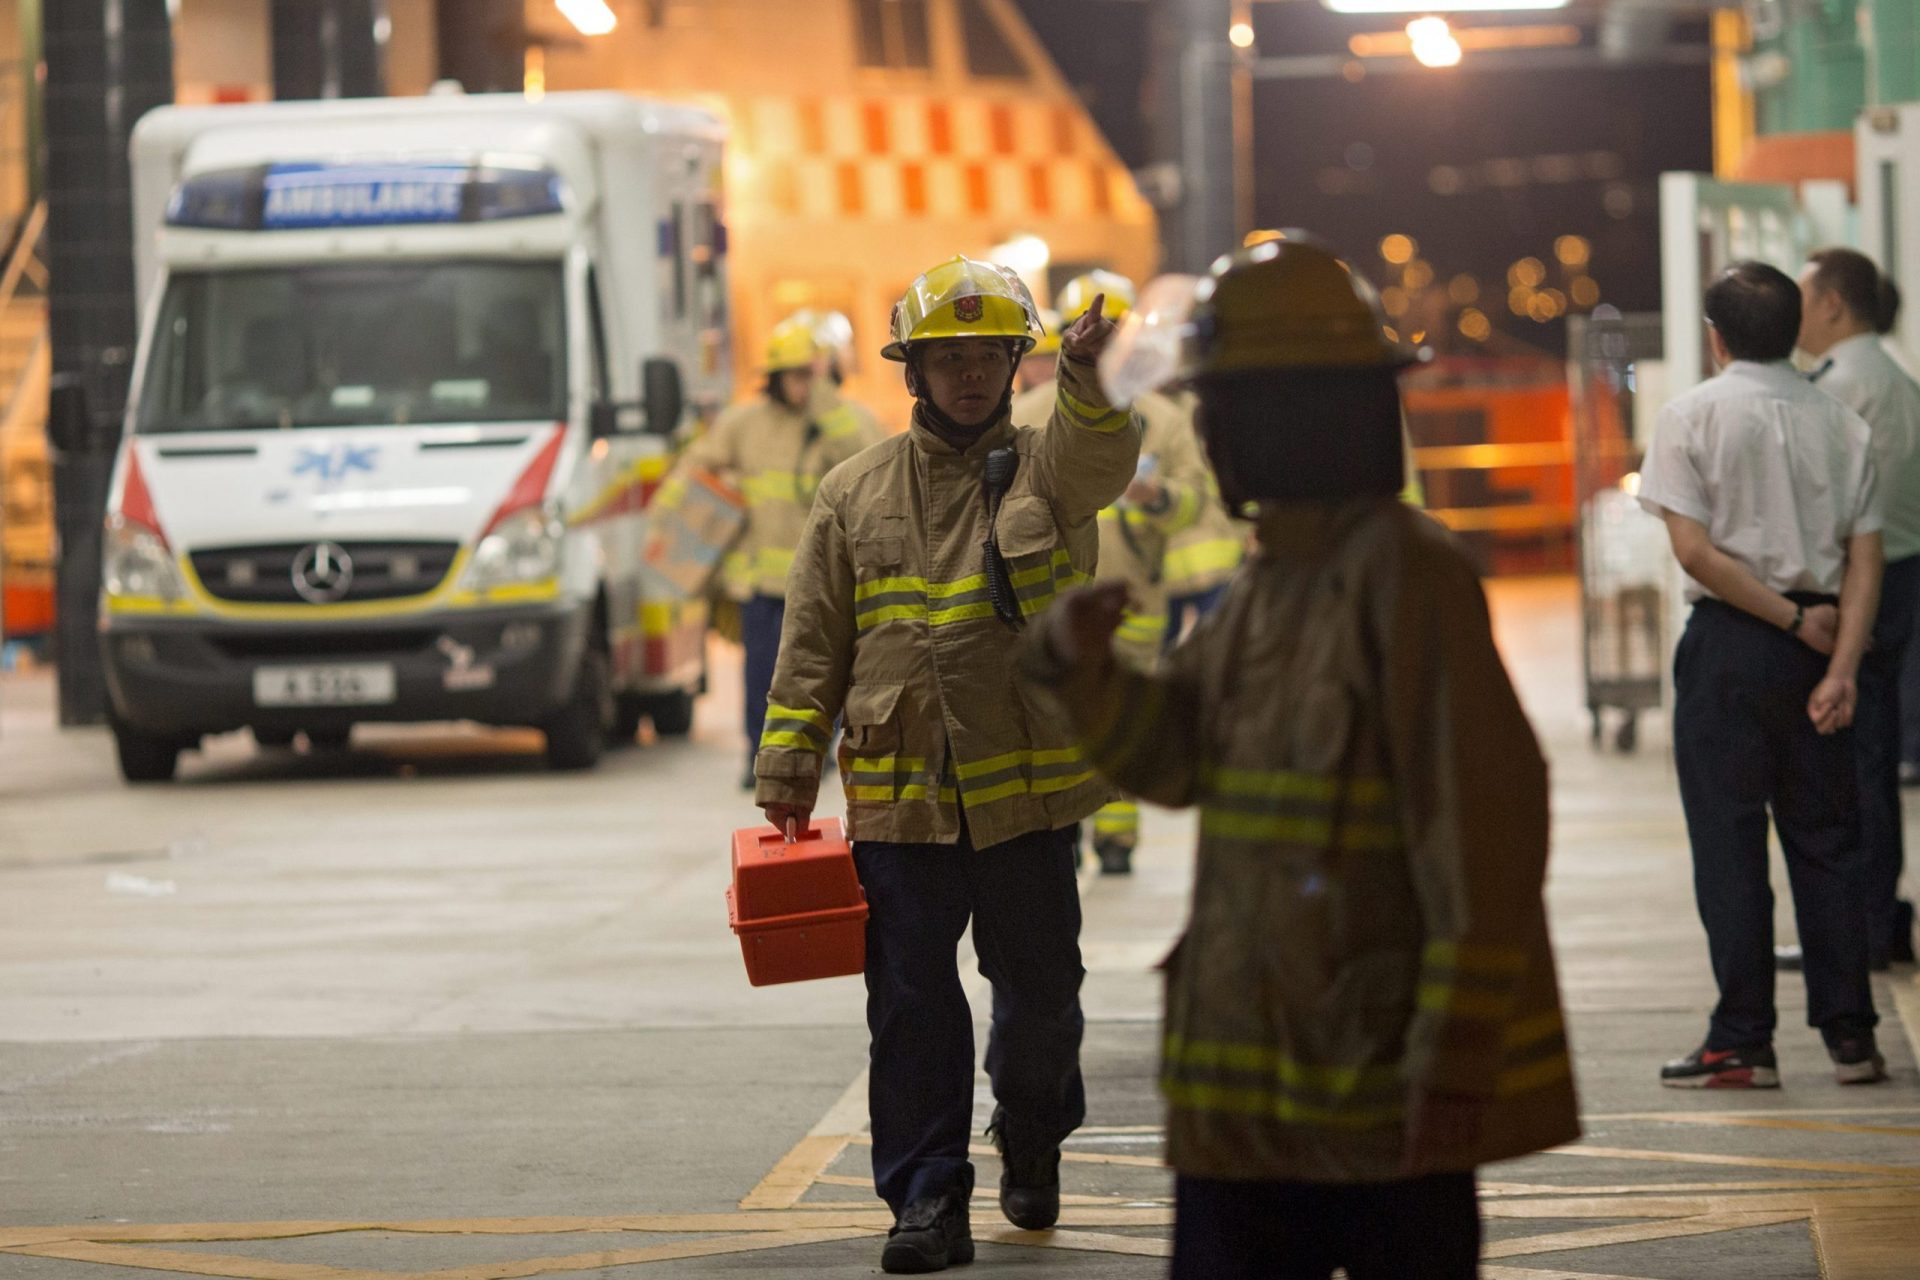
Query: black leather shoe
[931, 1235]
[1116, 859]
[1029, 1177]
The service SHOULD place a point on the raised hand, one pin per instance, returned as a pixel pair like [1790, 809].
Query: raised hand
[1088, 336]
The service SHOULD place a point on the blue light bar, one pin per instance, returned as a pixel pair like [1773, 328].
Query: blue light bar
[297, 197]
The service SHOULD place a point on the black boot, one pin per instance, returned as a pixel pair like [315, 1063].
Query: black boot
[931, 1235]
[1029, 1176]
[1116, 858]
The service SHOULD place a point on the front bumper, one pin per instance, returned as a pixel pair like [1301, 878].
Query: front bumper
[189, 676]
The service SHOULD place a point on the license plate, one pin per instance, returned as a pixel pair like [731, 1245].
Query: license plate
[358, 684]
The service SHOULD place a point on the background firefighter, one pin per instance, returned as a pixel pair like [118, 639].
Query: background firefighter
[1363, 1007]
[920, 563]
[1170, 486]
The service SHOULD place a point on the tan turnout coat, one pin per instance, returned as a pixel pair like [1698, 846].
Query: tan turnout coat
[1367, 916]
[889, 625]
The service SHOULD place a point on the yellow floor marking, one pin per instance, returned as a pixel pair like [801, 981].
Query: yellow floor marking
[788, 1180]
[677, 1250]
[1802, 1126]
[1866, 1244]
[1528, 1273]
[1599, 1117]
[197, 1264]
[1753, 1162]
[1499, 1190]
[1796, 1202]
[1635, 1233]
[1081, 1241]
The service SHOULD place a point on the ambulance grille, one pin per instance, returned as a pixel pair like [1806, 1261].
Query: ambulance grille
[381, 571]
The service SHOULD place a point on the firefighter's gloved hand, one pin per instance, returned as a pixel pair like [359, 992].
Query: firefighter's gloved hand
[781, 814]
[1443, 1132]
[1081, 623]
[1090, 334]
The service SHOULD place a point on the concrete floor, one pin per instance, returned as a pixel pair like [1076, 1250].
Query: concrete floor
[423, 1008]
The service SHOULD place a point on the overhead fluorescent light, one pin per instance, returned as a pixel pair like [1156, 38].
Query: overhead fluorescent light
[1443, 6]
[589, 17]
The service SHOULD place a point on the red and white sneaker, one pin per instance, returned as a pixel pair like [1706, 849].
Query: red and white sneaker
[1704, 1068]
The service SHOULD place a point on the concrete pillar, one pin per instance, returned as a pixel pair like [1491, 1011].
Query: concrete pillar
[1196, 80]
[330, 48]
[108, 63]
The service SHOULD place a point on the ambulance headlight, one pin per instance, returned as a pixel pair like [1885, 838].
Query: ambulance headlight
[138, 564]
[523, 547]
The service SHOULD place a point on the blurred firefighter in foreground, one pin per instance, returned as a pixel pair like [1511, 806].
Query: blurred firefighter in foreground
[775, 449]
[1169, 486]
[919, 567]
[1363, 1008]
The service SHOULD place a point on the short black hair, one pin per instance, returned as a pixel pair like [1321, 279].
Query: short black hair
[1305, 435]
[1852, 276]
[1756, 310]
[1886, 311]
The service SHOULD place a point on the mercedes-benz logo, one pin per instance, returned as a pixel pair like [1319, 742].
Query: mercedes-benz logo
[323, 573]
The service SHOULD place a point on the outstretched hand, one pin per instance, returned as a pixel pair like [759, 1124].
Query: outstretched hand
[1088, 336]
[1081, 623]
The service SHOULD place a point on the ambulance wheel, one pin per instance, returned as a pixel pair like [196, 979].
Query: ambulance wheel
[577, 733]
[274, 739]
[335, 739]
[628, 711]
[144, 758]
[671, 713]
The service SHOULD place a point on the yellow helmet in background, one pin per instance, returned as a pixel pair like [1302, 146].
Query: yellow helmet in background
[792, 345]
[1285, 304]
[963, 298]
[1076, 298]
[1050, 327]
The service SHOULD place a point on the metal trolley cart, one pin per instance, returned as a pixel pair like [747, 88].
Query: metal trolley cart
[1622, 550]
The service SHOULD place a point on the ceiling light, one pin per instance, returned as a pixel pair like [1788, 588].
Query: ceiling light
[1433, 42]
[589, 17]
[1444, 6]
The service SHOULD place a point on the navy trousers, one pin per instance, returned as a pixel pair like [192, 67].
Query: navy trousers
[760, 621]
[1024, 902]
[1745, 749]
[1876, 737]
[1412, 1229]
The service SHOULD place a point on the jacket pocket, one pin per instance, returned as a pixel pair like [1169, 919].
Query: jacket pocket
[873, 728]
[878, 553]
[1026, 528]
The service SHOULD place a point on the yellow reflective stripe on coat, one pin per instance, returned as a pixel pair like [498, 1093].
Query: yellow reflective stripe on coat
[1021, 773]
[914, 599]
[1142, 628]
[800, 728]
[1469, 980]
[1258, 1079]
[1091, 417]
[1202, 559]
[1291, 807]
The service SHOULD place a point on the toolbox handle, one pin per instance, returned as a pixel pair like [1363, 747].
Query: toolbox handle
[792, 831]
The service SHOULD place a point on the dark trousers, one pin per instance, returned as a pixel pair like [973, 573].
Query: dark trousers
[1745, 747]
[760, 621]
[1417, 1229]
[1876, 740]
[1025, 906]
[1181, 609]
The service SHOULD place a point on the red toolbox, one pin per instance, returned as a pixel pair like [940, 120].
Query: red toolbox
[797, 905]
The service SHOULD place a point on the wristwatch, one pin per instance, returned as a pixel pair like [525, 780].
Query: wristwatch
[1799, 616]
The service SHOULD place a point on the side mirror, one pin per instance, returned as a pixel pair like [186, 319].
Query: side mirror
[69, 420]
[662, 396]
[603, 420]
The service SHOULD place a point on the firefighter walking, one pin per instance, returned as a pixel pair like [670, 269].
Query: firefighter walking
[1363, 1007]
[775, 449]
[1170, 485]
[921, 563]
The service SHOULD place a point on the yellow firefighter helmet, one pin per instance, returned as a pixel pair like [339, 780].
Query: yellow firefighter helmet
[963, 298]
[1050, 327]
[792, 345]
[1076, 299]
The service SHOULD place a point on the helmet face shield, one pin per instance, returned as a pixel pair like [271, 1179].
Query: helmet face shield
[1154, 347]
[964, 299]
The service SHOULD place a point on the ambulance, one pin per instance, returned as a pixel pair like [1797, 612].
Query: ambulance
[408, 373]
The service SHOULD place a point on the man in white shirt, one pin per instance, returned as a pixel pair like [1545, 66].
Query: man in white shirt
[1841, 298]
[1767, 488]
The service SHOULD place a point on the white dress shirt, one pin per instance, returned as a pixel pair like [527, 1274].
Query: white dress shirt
[1780, 473]
[1861, 375]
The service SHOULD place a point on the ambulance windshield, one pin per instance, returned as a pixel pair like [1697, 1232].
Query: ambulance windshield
[358, 344]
